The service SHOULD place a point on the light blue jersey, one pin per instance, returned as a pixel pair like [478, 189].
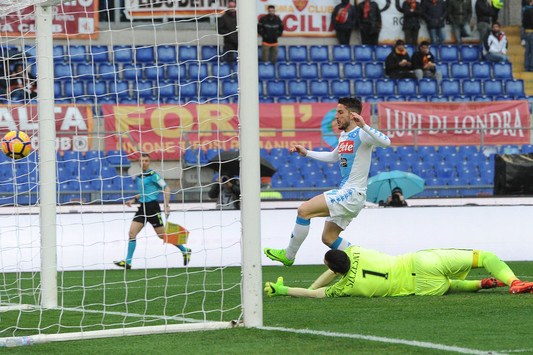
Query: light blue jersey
[150, 184]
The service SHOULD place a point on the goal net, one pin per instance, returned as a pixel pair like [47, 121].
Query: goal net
[125, 107]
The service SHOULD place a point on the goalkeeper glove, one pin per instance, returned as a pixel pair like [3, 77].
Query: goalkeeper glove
[276, 289]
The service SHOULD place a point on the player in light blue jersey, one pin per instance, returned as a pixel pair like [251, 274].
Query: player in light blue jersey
[340, 206]
[150, 185]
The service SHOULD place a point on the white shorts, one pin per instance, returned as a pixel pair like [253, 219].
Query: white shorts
[344, 205]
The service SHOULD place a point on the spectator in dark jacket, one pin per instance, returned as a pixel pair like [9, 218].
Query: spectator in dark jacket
[369, 19]
[434, 12]
[412, 13]
[460, 14]
[227, 27]
[344, 25]
[398, 63]
[227, 192]
[270, 27]
[527, 25]
[484, 13]
[423, 63]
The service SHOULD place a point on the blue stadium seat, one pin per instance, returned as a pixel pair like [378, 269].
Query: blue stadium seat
[482, 98]
[450, 87]
[329, 99]
[298, 88]
[123, 54]
[29, 53]
[282, 54]
[108, 71]
[444, 68]
[396, 98]
[417, 98]
[197, 72]
[209, 88]
[461, 98]
[514, 87]
[448, 53]
[154, 72]
[308, 99]
[502, 70]
[230, 87]
[166, 89]
[428, 87]
[77, 53]
[439, 98]
[74, 88]
[188, 89]
[58, 53]
[382, 51]
[280, 152]
[410, 49]
[364, 87]
[194, 156]
[319, 53]
[287, 100]
[363, 53]
[308, 71]
[132, 72]
[527, 148]
[84, 71]
[145, 54]
[503, 98]
[298, 54]
[210, 53]
[176, 72]
[319, 88]
[166, 54]
[267, 71]
[407, 87]
[276, 88]
[330, 70]
[470, 53]
[353, 70]
[143, 89]
[96, 88]
[341, 53]
[287, 71]
[481, 70]
[385, 87]
[98, 53]
[460, 70]
[225, 70]
[187, 53]
[493, 87]
[472, 87]
[340, 88]
[62, 71]
[374, 70]
[510, 149]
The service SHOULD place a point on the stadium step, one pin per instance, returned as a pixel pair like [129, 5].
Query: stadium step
[515, 52]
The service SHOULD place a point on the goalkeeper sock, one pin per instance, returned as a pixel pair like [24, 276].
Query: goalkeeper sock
[464, 285]
[340, 244]
[131, 248]
[496, 267]
[182, 248]
[299, 233]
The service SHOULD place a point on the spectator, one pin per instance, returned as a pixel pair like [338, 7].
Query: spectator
[525, 3]
[460, 14]
[22, 84]
[396, 199]
[227, 27]
[412, 12]
[398, 63]
[270, 28]
[484, 13]
[4, 78]
[369, 19]
[423, 63]
[344, 18]
[527, 25]
[227, 192]
[495, 45]
[435, 13]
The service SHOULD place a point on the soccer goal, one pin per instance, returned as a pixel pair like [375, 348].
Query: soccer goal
[97, 91]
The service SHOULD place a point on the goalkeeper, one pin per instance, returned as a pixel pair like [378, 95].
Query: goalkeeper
[150, 184]
[432, 272]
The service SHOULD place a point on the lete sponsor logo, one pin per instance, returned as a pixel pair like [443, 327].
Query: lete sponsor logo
[346, 147]
[300, 4]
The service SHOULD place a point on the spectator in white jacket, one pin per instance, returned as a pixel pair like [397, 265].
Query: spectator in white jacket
[495, 45]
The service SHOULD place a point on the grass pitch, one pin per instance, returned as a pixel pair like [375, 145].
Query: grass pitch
[489, 320]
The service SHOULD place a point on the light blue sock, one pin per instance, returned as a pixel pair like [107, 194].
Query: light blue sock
[131, 248]
[299, 233]
[182, 248]
[340, 244]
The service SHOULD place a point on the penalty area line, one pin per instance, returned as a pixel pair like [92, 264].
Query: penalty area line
[420, 344]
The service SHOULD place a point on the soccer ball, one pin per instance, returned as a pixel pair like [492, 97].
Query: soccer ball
[16, 144]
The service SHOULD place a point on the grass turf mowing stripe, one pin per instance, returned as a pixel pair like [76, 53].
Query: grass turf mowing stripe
[421, 344]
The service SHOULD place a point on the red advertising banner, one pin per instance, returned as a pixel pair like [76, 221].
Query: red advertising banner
[166, 131]
[73, 124]
[500, 122]
[73, 19]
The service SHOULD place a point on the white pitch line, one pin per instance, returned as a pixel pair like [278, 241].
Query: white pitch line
[420, 344]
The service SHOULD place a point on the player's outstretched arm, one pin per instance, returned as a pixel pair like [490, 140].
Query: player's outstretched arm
[300, 149]
[323, 280]
[372, 136]
[279, 289]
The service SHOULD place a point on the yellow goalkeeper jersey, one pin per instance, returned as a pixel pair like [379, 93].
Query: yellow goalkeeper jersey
[375, 274]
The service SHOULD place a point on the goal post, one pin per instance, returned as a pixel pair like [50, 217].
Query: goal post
[72, 278]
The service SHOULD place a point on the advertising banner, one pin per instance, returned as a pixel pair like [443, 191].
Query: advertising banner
[166, 131]
[137, 9]
[73, 19]
[73, 124]
[455, 123]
